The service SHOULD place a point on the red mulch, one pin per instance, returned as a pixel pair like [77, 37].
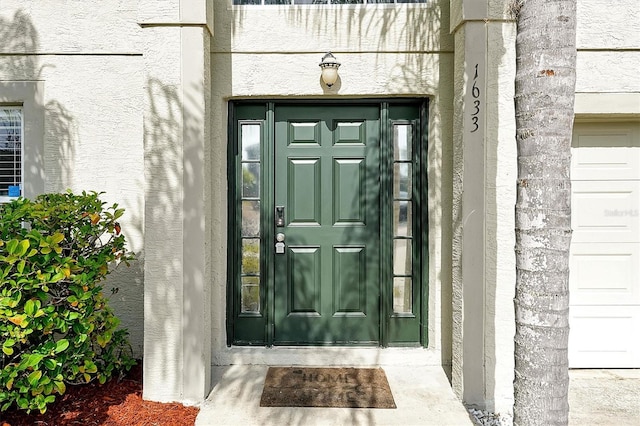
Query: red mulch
[116, 403]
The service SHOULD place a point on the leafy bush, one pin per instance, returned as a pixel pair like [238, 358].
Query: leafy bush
[56, 327]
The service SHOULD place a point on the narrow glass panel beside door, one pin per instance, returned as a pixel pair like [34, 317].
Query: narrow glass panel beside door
[402, 220]
[250, 277]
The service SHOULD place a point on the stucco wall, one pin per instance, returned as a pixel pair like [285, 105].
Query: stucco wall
[125, 100]
[608, 43]
[84, 56]
[484, 195]
[177, 305]
[484, 177]
[393, 50]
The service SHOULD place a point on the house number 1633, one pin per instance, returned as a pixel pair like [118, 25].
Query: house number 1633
[475, 93]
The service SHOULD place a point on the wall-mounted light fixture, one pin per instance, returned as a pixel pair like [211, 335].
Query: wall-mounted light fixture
[329, 67]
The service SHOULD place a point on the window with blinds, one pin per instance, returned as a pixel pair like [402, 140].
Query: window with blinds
[11, 135]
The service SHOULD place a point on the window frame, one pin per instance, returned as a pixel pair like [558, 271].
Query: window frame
[29, 96]
[20, 183]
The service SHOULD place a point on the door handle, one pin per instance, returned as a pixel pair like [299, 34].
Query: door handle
[279, 216]
[279, 243]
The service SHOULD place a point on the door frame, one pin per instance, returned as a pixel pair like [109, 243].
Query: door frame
[256, 328]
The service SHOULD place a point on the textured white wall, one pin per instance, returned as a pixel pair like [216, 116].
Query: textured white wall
[163, 124]
[84, 57]
[400, 50]
[126, 100]
[501, 159]
[275, 51]
[607, 24]
[607, 86]
[76, 26]
[177, 228]
[608, 44]
[484, 196]
[457, 306]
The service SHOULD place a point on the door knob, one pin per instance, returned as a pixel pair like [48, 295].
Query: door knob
[280, 243]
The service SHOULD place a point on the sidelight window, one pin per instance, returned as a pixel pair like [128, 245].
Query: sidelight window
[250, 138]
[402, 218]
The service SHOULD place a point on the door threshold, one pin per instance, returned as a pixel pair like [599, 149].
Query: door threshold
[327, 356]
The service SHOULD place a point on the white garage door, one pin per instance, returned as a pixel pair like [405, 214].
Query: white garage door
[605, 249]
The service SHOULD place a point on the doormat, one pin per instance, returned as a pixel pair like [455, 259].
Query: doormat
[326, 387]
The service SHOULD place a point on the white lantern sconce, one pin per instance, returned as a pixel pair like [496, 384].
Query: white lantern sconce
[329, 66]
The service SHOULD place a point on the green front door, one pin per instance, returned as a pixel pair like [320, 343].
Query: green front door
[327, 224]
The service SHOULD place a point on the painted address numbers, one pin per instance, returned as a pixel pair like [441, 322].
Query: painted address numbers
[475, 93]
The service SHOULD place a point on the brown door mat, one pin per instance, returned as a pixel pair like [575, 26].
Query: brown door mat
[326, 387]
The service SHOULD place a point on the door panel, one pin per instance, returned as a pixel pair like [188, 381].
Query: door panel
[348, 196]
[304, 188]
[605, 274]
[349, 278]
[327, 281]
[304, 279]
[604, 282]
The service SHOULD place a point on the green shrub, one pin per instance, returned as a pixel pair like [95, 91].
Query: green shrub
[56, 327]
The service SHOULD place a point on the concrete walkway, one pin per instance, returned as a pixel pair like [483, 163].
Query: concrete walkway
[604, 397]
[423, 396]
[235, 400]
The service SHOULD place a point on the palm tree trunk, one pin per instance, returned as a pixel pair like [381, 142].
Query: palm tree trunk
[545, 92]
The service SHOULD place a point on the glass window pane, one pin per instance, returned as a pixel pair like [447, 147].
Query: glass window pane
[250, 294]
[250, 219]
[251, 256]
[402, 295]
[402, 219]
[10, 151]
[402, 181]
[402, 257]
[251, 180]
[402, 135]
[250, 141]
